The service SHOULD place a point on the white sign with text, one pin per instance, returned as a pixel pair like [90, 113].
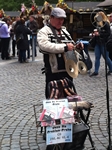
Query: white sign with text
[58, 134]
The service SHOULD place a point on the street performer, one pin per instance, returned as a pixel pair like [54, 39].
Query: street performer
[54, 40]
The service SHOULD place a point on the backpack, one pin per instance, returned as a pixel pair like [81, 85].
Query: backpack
[2, 25]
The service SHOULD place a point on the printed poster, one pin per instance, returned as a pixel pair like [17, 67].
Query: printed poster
[55, 105]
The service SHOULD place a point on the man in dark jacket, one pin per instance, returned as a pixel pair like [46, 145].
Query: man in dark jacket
[32, 24]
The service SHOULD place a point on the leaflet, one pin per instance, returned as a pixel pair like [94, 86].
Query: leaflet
[51, 111]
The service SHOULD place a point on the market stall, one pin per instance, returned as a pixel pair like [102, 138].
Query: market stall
[78, 17]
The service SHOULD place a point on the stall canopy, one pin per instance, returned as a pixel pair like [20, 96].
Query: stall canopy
[12, 13]
[82, 6]
[106, 3]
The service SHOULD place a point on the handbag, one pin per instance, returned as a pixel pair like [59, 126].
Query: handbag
[88, 62]
[20, 37]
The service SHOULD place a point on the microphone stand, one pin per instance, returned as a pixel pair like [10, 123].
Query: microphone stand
[107, 91]
[107, 96]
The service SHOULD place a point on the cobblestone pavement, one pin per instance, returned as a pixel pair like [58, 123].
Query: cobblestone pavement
[22, 86]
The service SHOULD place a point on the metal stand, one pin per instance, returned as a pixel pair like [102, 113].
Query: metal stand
[108, 105]
[33, 46]
[85, 119]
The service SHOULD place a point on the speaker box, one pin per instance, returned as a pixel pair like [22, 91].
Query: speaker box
[80, 132]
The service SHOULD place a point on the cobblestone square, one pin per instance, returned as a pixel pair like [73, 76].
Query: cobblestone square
[22, 86]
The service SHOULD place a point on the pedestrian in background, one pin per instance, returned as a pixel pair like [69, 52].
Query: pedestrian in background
[5, 39]
[22, 39]
[110, 19]
[9, 23]
[32, 24]
[14, 36]
[101, 35]
[28, 50]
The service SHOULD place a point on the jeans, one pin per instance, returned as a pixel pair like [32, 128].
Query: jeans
[35, 44]
[13, 47]
[22, 55]
[28, 51]
[101, 50]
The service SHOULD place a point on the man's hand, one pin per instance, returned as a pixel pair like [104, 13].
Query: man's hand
[80, 46]
[70, 46]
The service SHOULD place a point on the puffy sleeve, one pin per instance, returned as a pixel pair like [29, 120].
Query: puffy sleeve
[45, 44]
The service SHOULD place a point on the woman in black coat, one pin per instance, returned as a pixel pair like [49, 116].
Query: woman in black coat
[22, 39]
[101, 35]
